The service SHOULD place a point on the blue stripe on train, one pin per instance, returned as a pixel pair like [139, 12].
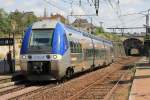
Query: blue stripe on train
[59, 42]
[26, 41]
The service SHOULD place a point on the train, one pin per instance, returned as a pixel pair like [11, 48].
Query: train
[52, 50]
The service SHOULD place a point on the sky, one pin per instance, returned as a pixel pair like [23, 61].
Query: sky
[112, 14]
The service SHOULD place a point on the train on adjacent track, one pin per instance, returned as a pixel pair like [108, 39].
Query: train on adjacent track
[52, 50]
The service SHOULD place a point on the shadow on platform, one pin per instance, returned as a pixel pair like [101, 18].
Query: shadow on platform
[143, 64]
[122, 82]
[142, 77]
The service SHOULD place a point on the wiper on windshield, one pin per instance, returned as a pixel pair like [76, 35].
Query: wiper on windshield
[37, 46]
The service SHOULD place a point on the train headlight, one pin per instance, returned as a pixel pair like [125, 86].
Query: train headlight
[24, 57]
[55, 56]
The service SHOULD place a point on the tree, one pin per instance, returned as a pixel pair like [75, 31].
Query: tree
[29, 18]
[4, 22]
[22, 20]
[99, 30]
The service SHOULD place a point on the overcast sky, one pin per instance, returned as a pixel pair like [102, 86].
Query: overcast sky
[108, 12]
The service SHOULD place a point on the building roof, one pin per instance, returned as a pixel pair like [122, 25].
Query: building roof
[80, 21]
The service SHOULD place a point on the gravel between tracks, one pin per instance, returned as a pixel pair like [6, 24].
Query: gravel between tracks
[70, 88]
[14, 94]
[67, 89]
[123, 90]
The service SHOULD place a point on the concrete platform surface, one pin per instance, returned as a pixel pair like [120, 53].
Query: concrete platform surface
[141, 84]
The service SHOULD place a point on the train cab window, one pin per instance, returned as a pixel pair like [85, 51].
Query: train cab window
[41, 38]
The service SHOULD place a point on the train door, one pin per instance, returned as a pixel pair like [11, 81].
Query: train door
[76, 55]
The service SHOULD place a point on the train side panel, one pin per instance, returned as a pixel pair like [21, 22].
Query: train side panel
[78, 45]
[99, 53]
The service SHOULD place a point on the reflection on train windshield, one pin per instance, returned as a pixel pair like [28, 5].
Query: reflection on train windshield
[41, 39]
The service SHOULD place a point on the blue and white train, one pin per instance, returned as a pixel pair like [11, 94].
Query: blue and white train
[51, 51]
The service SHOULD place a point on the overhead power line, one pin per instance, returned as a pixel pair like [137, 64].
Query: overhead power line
[126, 28]
[135, 13]
[117, 11]
[48, 2]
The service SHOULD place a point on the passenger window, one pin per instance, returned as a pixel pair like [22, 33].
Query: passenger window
[71, 46]
[80, 48]
[74, 47]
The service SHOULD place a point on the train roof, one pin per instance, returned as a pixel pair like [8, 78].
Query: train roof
[45, 24]
[86, 34]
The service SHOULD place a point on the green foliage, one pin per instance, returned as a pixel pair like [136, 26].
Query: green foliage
[17, 20]
[99, 31]
[4, 22]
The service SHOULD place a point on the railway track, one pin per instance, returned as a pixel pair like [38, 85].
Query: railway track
[4, 80]
[18, 91]
[100, 90]
[79, 88]
[22, 91]
[11, 83]
[11, 89]
[9, 78]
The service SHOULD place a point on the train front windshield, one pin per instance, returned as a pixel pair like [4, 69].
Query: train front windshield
[41, 39]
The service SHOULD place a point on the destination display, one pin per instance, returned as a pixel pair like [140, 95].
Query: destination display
[6, 41]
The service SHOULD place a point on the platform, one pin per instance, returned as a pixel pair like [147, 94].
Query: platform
[141, 84]
[10, 76]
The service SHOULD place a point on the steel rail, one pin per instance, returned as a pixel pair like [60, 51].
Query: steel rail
[77, 95]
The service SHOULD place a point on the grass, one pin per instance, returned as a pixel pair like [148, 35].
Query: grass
[110, 36]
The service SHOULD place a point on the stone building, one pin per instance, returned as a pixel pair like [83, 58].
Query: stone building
[84, 25]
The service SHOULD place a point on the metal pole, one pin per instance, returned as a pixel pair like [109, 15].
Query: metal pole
[101, 24]
[147, 24]
[149, 55]
[14, 46]
[14, 55]
[91, 26]
[9, 39]
[93, 44]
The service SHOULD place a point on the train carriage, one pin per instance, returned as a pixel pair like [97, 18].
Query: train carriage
[51, 50]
